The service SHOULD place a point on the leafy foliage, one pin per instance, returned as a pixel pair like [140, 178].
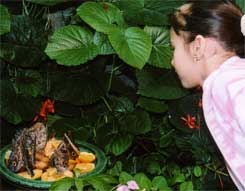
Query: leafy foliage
[27, 39]
[5, 20]
[71, 45]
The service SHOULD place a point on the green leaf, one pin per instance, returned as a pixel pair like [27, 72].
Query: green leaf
[79, 88]
[166, 139]
[48, 2]
[116, 170]
[159, 182]
[79, 184]
[241, 4]
[75, 125]
[100, 16]
[178, 178]
[23, 46]
[132, 45]
[71, 46]
[197, 171]
[29, 82]
[122, 105]
[161, 54]
[143, 181]
[186, 186]
[119, 144]
[137, 122]
[17, 108]
[166, 188]
[154, 167]
[99, 183]
[152, 105]
[159, 85]
[62, 185]
[5, 20]
[124, 177]
[147, 12]
[101, 40]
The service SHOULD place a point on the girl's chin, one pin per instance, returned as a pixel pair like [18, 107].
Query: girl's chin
[187, 85]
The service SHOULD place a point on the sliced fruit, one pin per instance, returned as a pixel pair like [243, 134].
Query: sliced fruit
[85, 167]
[37, 174]
[52, 175]
[51, 145]
[86, 157]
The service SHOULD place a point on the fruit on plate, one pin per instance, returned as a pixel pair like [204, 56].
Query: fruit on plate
[86, 157]
[37, 174]
[52, 174]
[85, 167]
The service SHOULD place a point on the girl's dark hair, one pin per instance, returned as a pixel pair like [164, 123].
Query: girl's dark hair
[217, 19]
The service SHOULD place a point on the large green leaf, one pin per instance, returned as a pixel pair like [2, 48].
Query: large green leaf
[100, 16]
[186, 186]
[132, 45]
[5, 20]
[159, 182]
[17, 108]
[125, 177]
[77, 126]
[76, 88]
[122, 104]
[143, 181]
[24, 45]
[241, 4]
[101, 40]
[72, 45]
[48, 2]
[29, 82]
[152, 105]
[161, 85]
[161, 52]
[79, 184]
[119, 143]
[137, 122]
[64, 185]
[100, 183]
[147, 12]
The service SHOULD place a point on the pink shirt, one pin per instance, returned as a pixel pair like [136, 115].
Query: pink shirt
[224, 111]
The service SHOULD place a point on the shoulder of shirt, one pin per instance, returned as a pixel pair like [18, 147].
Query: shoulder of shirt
[229, 77]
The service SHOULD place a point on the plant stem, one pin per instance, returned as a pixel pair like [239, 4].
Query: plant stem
[216, 171]
[112, 71]
[106, 103]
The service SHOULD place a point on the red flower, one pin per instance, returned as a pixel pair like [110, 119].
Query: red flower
[190, 121]
[47, 107]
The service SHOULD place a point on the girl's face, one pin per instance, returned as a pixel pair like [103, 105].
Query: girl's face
[183, 62]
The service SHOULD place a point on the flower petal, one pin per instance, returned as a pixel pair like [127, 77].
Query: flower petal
[132, 185]
[122, 188]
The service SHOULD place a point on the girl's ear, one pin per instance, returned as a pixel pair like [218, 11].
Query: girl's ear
[198, 46]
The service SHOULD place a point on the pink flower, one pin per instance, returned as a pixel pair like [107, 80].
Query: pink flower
[132, 185]
[122, 188]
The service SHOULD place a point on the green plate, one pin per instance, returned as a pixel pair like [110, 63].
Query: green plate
[100, 164]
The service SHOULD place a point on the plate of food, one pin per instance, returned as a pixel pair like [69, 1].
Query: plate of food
[34, 161]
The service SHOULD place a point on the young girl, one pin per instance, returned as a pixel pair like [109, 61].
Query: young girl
[208, 43]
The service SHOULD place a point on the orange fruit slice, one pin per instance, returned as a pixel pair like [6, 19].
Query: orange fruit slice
[85, 167]
[37, 174]
[86, 157]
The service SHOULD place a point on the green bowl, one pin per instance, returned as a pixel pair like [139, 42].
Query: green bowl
[100, 164]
